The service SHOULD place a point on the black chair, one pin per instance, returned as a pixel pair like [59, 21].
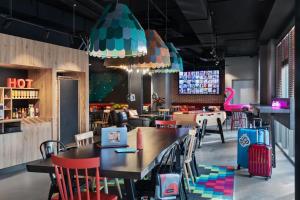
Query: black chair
[169, 163]
[48, 148]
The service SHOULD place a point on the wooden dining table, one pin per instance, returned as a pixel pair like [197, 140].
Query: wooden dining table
[128, 166]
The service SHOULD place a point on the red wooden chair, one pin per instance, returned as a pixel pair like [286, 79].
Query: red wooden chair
[66, 171]
[165, 124]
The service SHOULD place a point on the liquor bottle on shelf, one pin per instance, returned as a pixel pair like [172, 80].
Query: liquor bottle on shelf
[14, 114]
[31, 111]
[37, 112]
[20, 113]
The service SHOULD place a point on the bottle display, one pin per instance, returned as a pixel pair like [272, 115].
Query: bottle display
[25, 94]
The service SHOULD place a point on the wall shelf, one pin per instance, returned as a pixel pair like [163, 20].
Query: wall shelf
[15, 99]
[25, 98]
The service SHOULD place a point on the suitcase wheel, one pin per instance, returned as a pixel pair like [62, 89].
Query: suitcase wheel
[238, 167]
[267, 178]
[250, 175]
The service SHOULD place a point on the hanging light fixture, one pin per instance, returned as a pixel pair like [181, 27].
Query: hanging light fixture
[117, 34]
[158, 55]
[176, 61]
[175, 58]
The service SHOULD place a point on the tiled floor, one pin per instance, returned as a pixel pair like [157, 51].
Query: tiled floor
[32, 186]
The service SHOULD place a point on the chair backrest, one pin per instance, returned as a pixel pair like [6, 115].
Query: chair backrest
[165, 124]
[191, 145]
[168, 160]
[105, 116]
[51, 147]
[163, 111]
[84, 139]
[67, 176]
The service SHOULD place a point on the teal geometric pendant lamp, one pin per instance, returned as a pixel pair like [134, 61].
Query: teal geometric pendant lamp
[158, 55]
[117, 34]
[176, 61]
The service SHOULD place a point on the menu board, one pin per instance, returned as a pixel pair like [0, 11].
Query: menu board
[199, 82]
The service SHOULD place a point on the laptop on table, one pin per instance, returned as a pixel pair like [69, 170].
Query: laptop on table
[113, 137]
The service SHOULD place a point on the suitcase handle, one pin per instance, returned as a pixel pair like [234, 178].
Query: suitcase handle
[255, 120]
[265, 135]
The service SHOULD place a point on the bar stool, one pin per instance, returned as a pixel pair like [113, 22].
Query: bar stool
[238, 118]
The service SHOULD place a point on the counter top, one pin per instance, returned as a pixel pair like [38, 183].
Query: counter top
[270, 109]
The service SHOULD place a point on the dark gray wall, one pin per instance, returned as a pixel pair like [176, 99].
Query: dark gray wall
[135, 86]
[161, 84]
[147, 88]
[267, 72]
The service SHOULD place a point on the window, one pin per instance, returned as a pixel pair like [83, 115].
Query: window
[285, 81]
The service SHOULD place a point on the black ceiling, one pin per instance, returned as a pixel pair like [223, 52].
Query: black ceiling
[232, 27]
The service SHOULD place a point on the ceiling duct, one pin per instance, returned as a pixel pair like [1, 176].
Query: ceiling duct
[197, 14]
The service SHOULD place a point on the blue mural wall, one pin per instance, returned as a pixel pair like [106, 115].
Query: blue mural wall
[108, 86]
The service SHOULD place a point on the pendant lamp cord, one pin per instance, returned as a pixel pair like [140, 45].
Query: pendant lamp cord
[166, 34]
[129, 79]
[148, 13]
[74, 6]
[10, 8]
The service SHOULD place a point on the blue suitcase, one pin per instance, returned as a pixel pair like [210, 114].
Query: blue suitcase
[246, 137]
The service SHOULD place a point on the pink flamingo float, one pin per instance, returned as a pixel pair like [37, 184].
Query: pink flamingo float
[234, 107]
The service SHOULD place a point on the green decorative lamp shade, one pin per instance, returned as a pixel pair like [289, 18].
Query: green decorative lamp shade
[117, 34]
[158, 55]
[176, 61]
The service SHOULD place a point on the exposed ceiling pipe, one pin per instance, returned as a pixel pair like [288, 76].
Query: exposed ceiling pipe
[82, 9]
[159, 10]
[13, 19]
[95, 4]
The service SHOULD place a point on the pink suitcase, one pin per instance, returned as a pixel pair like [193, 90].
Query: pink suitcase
[260, 160]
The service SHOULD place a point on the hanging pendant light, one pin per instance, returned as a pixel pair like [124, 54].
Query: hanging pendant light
[176, 61]
[117, 34]
[158, 55]
[175, 58]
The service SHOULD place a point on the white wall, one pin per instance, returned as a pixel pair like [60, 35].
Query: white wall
[241, 68]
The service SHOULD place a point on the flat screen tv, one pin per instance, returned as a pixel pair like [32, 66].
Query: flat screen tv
[199, 82]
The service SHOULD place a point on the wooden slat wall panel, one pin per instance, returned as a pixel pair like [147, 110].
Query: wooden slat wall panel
[25, 52]
[33, 136]
[43, 61]
[43, 81]
[22, 147]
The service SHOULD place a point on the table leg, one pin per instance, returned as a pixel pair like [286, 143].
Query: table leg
[220, 130]
[130, 189]
[272, 135]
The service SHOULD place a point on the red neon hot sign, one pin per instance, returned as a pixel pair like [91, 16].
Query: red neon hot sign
[19, 83]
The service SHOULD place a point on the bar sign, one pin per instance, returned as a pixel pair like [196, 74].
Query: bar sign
[19, 83]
